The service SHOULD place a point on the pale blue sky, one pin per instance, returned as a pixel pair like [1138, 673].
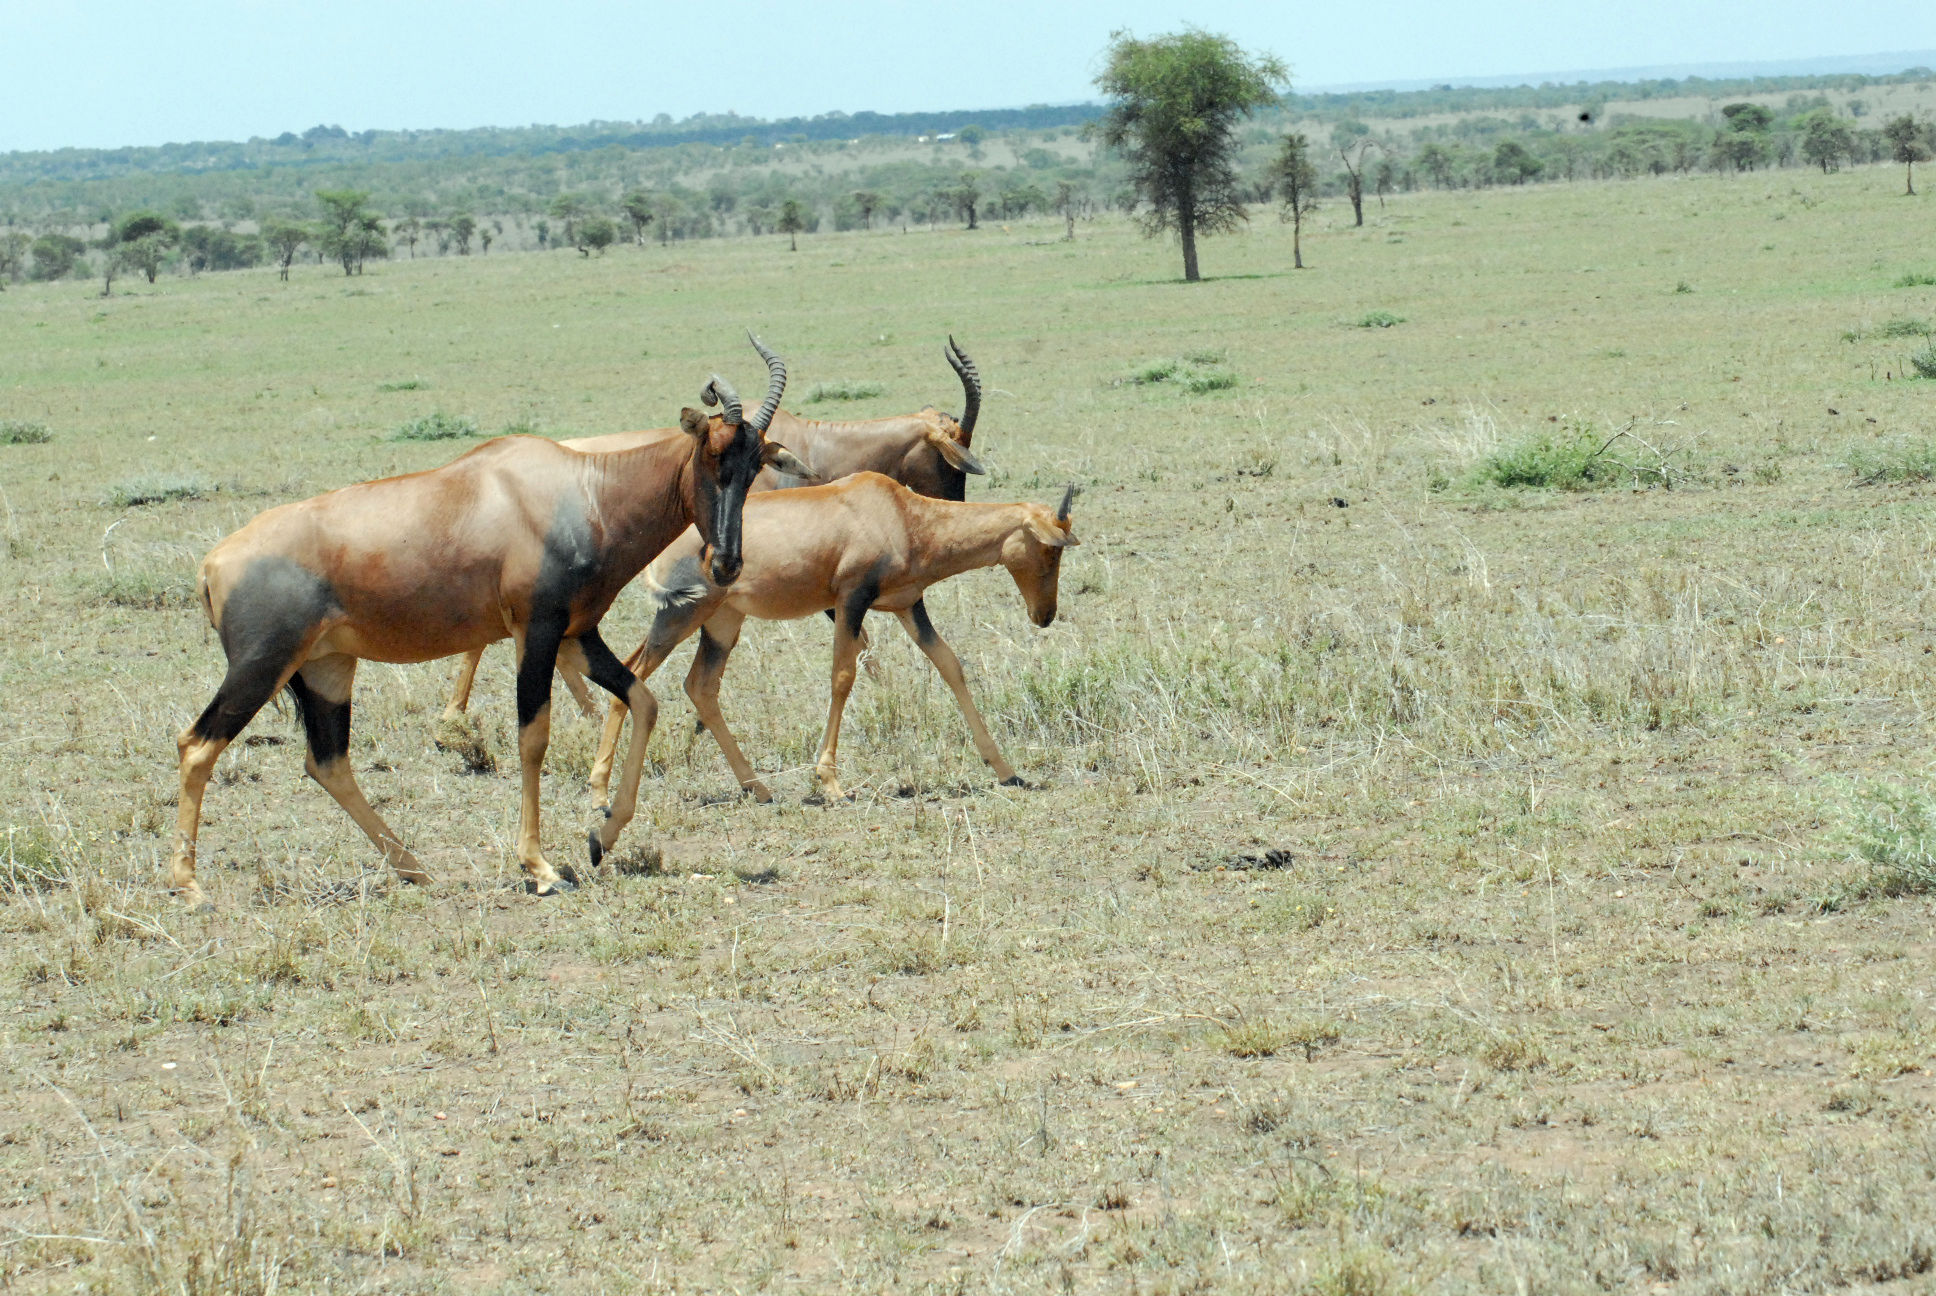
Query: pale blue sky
[111, 72]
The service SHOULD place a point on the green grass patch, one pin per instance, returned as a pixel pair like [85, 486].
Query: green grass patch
[1566, 459]
[1915, 280]
[1893, 828]
[407, 384]
[158, 488]
[19, 432]
[842, 391]
[437, 426]
[1379, 319]
[1902, 459]
[1904, 326]
[1196, 372]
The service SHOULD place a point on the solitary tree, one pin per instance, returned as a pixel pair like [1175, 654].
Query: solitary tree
[463, 228]
[869, 202]
[1065, 203]
[1513, 161]
[1826, 140]
[966, 194]
[285, 239]
[1906, 145]
[1353, 139]
[137, 244]
[793, 219]
[350, 233]
[569, 208]
[596, 233]
[407, 232]
[637, 207]
[1295, 177]
[1437, 163]
[1175, 104]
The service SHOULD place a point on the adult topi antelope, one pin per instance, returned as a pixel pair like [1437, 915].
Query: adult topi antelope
[928, 451]
[519, 537]
[864, 544]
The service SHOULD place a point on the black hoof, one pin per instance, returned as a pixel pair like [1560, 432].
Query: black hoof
[562, 885]
[597, 851]
[568, 875]
[1017, 781]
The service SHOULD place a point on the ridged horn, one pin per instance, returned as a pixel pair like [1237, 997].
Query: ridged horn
[1068, 498]
[776, 376]
[970, 385]
[718, 391]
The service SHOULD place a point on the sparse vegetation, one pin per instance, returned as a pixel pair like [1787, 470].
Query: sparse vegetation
[1196, 372]
[1899, 459]
[1379, 319]
[842, 391]
[1566, 458]
[435, 426]
[158, 488]
[21, 432]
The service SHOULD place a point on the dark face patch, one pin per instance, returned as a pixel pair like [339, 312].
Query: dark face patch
[720, 486]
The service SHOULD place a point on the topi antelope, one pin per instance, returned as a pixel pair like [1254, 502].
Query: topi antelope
[928, 451]
[864, 544]
[521, 537]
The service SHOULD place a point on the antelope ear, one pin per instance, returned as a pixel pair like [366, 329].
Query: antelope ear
[776, 456]
[693, 423]
[959, 457]
[1050, 534]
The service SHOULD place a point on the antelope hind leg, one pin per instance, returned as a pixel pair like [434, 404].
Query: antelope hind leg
[322, 691]
[921, 630]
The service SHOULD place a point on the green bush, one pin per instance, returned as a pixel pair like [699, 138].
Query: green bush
[1379, 319]
[1195, 372]
[842, 391]
[1894, 829]
[1566, 459]
[1903, 459]
[438, 426]
[158, 488]
[1924, 362]
[16, 432]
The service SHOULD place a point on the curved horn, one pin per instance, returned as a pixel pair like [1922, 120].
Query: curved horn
[970, 385]
[1068, 498]
[718, 391]
[776, 376]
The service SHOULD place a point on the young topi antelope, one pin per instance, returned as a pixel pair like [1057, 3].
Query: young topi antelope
[926, 451]
[519, 537]
[864, 544]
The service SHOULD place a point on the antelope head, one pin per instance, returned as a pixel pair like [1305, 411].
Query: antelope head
[1033, 555]
[729, 449]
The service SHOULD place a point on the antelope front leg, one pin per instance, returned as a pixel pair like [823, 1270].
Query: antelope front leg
[537, 657]
[609, 673]
[716, 642]
[921, 630]
[846, 651]
[460, 688]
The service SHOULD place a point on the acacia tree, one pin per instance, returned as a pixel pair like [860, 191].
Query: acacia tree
[137, 244]
[793, 219]
[1175, 104]
[1295, 177]
[637, 207]
[1826, 140]
[570, 208]
[966, 194]
[463, 228]
[1906, 146]
[350, 233]
[285, 239]
[1065, 203]
[869, 202]
[1348, 138]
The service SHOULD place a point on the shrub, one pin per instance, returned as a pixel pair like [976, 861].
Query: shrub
[437, 426]
[1683, 287]
[1924, 362]
[16, 432]
[407, 384]
[1904, 459]
[1894, 829]
[843, 391]
[1379, 319]
[158, 488]
[1568, 459]
[1196, 372]
[1903, 327]
[1914, 280]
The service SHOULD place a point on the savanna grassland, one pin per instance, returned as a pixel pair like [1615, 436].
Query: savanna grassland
[1430, 884]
